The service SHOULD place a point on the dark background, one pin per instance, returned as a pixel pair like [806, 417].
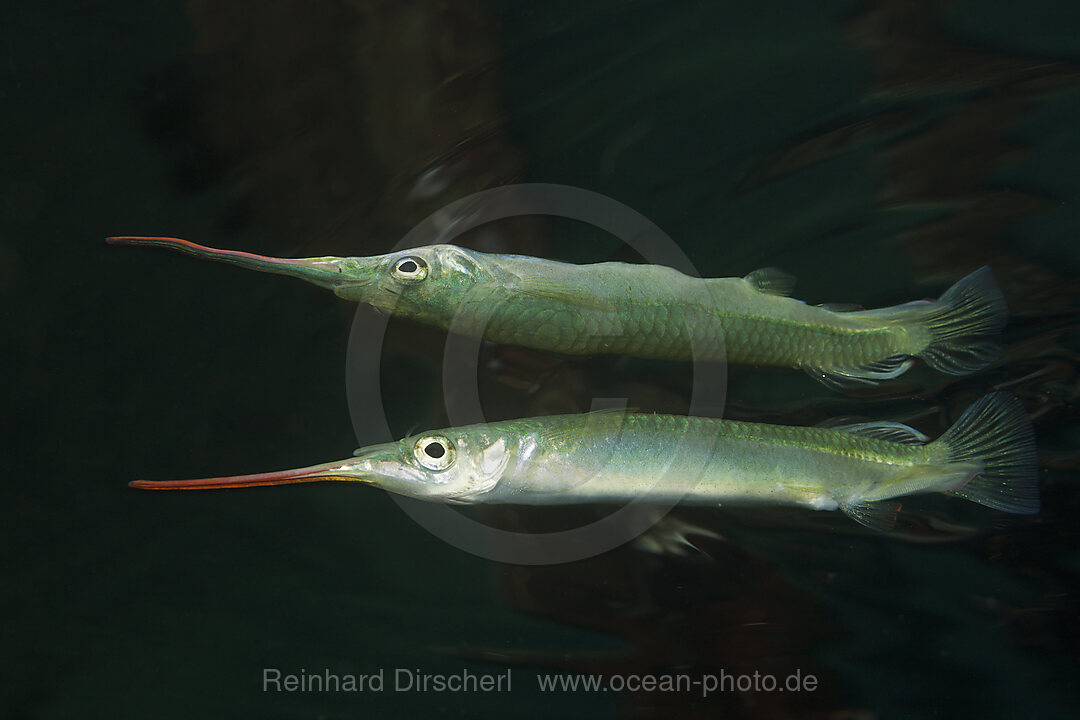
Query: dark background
[876, 150]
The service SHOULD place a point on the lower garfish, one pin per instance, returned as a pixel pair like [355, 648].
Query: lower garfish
[651, 311]
[987, 456]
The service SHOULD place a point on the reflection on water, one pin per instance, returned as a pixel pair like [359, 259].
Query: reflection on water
[348, 123]
[401, 111]
[877, 150]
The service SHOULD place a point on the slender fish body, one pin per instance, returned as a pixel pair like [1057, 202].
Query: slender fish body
[651, 311]
[987, 457]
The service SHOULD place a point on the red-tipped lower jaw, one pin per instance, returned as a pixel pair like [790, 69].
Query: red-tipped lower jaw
[321, 271]
[316, 473]
[261, 262]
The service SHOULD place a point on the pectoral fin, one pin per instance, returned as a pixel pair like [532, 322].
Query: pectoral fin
[557, 433]
[549, 288]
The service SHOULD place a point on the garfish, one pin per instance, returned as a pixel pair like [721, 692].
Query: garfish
[987, 456]
[651, 311]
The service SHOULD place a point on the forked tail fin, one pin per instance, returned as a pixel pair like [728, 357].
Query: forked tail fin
[996, 433]
[957, 330]
[959, 325]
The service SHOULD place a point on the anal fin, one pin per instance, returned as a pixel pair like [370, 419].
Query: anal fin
[880, 515]
[867, 374]
[881, 509]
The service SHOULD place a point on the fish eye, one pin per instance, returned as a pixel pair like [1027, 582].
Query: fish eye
[409, 269]
[434, 452]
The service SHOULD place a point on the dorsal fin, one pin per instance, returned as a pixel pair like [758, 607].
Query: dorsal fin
[771, 281]
[841, 307]
[885, 430]
[837, 423]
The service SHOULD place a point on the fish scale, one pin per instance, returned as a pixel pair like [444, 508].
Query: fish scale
[655, 311]
[650, 310]
[617, 456]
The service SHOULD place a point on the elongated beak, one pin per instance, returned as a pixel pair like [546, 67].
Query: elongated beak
[341, 471]
[327, 272]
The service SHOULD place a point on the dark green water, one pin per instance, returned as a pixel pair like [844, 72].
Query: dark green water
[878, 151]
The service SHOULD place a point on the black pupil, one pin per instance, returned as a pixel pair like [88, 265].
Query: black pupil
[434, 450]
[408, 267]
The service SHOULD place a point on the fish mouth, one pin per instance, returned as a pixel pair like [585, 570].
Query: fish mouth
[347, 471]
[338, 274]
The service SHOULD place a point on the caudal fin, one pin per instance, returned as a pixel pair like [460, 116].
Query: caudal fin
[958, 329]
[961, 323]
[996, 433]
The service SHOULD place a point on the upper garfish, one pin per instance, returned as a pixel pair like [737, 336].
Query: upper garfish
[651, 310]
[987, 456]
